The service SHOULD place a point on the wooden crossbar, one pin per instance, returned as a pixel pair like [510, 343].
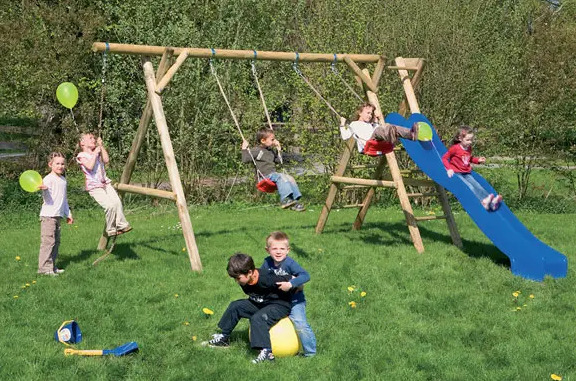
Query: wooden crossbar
[368, 182]
[145, 191]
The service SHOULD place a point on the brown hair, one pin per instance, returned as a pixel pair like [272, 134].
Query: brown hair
[55, 154]
[263, 133]
[277, 236]
[240, 264]
[461, 133]
[362, 107]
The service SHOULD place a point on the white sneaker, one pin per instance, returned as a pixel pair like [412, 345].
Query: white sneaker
[58, 271]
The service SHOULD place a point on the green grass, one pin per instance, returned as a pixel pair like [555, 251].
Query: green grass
[443, 315]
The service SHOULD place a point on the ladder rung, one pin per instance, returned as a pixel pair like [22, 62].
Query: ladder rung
[429, 218]
[432, 194]
[353, 206]
[355, 187]
[367, 182]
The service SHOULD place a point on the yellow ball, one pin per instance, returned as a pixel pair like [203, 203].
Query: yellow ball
[284, 339]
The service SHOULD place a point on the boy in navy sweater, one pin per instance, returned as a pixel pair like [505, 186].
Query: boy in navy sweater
[265, 306]
[279, 263]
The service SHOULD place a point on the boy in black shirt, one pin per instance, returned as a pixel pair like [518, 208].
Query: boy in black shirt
[265, 306]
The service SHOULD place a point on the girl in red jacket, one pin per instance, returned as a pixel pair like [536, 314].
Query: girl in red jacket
[457, 162]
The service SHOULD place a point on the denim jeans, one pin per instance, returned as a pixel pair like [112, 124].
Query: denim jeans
[474, 185]
[307, 337]
[287, 187]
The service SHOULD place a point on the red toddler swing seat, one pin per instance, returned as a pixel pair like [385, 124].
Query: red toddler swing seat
[375, 147]
[266, 185]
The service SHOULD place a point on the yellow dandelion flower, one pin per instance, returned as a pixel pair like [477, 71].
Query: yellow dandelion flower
[17, 258]
[518, 308]
[186, 323]
[33, 282]
[363, 294]
[27, 284]
[183, 249]
[556, 377]
[207, 311]
[515, 294]
[194, 338]
[351, 288]
[531, 296]
[176, 295]
[15, 296]
[519, 292]
[352, 304]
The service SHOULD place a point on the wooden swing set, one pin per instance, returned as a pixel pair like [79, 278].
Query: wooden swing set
[172, 59]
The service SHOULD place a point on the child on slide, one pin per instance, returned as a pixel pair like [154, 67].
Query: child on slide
[457, 162]
[265, 157]
[365, 128]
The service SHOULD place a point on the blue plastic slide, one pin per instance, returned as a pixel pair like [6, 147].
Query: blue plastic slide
[529, 257]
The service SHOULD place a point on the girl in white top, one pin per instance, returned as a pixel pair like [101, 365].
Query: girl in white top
[54, 208]
[365, 127]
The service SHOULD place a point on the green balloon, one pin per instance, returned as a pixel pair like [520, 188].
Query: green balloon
[67, 94]
[30, 181]
[424, 131]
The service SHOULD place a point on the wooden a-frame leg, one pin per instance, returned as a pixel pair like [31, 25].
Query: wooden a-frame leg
[342, 165]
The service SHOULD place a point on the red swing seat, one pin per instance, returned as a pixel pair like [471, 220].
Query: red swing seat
[266, 185]
[375, 147]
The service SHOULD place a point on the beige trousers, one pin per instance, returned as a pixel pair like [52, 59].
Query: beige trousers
[49, 243]
[390, 133]
[109, 200]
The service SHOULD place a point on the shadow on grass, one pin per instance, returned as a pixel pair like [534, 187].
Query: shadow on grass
[397, 234]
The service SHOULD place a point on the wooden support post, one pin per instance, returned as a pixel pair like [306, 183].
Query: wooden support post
[365, 77]
[344, 159]
[171, 165]
[380, 66]
[414, 108]
[170, 73]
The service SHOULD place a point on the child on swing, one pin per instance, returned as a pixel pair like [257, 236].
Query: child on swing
[54, 208]
[92, 160]
[457, 162]
[265, 158]
[365, 129]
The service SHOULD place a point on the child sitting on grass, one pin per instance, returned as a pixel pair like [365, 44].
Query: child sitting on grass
[265, 306]
[265, 159]
[279, 263]
[54, 208]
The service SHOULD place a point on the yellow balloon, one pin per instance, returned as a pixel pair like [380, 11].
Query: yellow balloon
[30, 181]
[424, 131]
[67, 94]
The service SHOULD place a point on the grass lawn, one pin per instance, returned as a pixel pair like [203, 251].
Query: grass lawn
[443, 315]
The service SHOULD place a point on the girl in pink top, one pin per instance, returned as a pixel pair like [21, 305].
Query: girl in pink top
[457, 161]
[92, 160]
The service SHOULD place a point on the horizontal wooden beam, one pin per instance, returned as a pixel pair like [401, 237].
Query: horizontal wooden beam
[368, 182]
[150, 50]
[145, 191]
[430, 218]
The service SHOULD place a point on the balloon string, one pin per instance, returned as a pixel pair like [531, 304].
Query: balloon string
[74, 120]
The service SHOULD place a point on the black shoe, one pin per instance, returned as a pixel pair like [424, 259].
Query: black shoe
[287, 202]
[218, 341]
[265, 355]
[298, 207]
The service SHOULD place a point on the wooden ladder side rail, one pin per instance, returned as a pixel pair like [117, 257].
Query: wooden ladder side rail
[414, 108]
[173, 174]
[138, 140]
[340, 170]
